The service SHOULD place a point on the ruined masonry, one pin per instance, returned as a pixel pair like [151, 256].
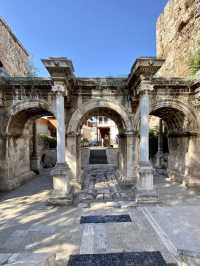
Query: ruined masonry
[149, 89]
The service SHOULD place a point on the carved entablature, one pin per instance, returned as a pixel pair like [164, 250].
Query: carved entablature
[169, 94]
[171, 90]
[26, 89]
[109, 85]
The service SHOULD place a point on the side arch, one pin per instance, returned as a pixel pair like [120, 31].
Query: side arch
[190, 118]
[17, 141]
[21, 112]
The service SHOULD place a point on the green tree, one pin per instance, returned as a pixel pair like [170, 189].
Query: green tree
[31, 69]
[194, 63]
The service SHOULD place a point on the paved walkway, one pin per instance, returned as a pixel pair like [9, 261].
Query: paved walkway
[28, 224]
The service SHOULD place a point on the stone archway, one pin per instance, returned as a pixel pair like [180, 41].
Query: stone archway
[18, 134]
[22, 111]
[93, 104]
[110, 109]
[187, 111]
[183, 138]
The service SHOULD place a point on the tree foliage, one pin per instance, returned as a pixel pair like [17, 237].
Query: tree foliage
[49, 142]
[194, 63]
[31, 69]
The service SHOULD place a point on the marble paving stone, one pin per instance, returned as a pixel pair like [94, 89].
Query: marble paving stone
[87, 241]
[105, 219]
[118, 259]
[101, 242]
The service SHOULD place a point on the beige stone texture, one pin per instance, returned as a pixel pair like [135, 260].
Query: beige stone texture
[178, 36]
[13, 55]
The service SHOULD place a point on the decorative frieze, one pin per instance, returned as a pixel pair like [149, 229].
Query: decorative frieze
[101, 82]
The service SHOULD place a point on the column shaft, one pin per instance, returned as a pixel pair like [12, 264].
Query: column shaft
[60, 114]
[144, 128]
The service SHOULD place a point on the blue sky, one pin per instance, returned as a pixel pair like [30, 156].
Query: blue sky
[101, 37]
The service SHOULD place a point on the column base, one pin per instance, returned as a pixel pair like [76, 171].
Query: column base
[57, 200]
[145, 190]
[62, 191]
[146, 197]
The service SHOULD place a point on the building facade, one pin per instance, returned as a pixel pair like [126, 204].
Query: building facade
[128, 101]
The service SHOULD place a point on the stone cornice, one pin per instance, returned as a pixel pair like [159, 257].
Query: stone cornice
[60, 69]
[145, 67]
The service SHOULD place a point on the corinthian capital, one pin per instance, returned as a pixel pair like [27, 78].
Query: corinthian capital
[145, 87]
[58, 88]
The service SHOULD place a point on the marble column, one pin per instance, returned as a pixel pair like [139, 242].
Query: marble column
[35, 158]
[60, 116]
[61, 184]
[145, 188]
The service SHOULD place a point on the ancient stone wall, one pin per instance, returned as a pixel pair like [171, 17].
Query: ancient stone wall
[13, 56]
[178, 36]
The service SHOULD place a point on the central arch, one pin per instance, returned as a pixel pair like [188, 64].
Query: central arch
[112, 110]
[88, 107]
